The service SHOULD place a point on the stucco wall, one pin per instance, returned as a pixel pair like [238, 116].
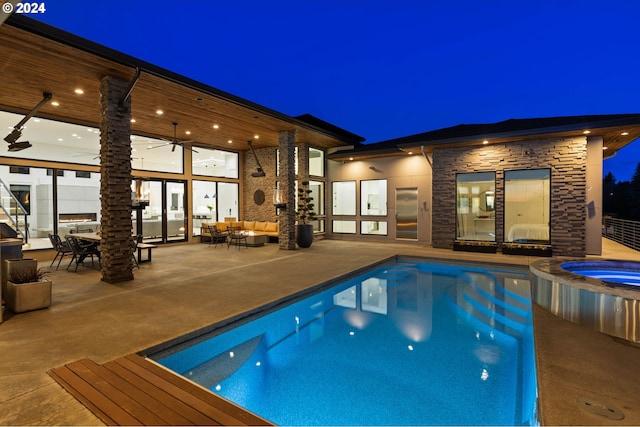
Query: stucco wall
[565, 157]
[400, 172]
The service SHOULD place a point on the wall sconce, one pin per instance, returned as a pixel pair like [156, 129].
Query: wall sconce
[277, 200]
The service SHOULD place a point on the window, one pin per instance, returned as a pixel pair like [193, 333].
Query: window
[83, 174]
[295, 156]
[475, 207]
[59, 172]
[78, 203]
[316, 162]
[227, 200]
[344, 198]
[216, 163]
[373, 197]
[346, 227]
[204, 204]
[373, 227]
[317, 192]
[527, 206]
[19, 169]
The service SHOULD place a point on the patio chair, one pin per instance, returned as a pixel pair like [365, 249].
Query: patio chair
[236, 237]
[62, 249]
[81, 251]
[135, 240]
[217, 236]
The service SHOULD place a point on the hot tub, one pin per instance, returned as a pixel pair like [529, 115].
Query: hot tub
[604, 295]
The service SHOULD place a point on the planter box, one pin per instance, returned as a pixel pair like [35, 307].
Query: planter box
[542, 251]
[9, 265]
[489, 248]
[21, 297]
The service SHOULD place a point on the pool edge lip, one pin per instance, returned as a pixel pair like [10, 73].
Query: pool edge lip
[551, 269]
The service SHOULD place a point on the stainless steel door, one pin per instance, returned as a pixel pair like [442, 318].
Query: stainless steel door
[407, 213]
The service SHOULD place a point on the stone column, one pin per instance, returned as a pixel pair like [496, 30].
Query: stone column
[286, 182]
[115, 182]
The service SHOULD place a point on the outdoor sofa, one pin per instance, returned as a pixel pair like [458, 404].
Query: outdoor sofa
[268, 228]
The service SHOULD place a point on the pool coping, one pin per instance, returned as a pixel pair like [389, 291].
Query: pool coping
[551, 269]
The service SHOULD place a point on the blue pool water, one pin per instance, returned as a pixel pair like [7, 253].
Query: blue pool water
[624, 272]
[406, 343]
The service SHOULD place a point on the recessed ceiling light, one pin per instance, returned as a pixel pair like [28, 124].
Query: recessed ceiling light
[624, 133]
[256, 136]
[55, 103]
[159, 112]
[36, 120]
[60, 139]
[79, 91]
[216, 126]
[586, 132]
[230, 141]
[188, 132]
[350, 158]
[485, 142]
[133, 120]
[604, 148]
[410, 153]
[74, 134]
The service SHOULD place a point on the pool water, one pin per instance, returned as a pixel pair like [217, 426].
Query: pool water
[624, 272]
[406, 343]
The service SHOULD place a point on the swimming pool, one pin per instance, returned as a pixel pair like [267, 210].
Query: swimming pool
[406, 343]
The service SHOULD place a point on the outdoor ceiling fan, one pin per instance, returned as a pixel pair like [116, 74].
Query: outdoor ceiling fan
[175, 141]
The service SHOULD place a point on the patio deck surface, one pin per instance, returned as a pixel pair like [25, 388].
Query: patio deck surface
[188, 287]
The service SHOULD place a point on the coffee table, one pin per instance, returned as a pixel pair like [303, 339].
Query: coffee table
[256, 239]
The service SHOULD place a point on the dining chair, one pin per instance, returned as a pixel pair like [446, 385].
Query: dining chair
[135, 240]
[62, 249]
[81, 251]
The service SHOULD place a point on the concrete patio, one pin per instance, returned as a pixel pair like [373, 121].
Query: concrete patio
[188, 287]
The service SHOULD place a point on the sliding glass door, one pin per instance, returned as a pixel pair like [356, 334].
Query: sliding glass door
[164, 210]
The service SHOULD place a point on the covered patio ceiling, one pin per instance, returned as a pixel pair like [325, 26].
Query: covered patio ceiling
[36, 58]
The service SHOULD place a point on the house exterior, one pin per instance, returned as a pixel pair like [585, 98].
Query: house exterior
[530, 186]
[118, 143]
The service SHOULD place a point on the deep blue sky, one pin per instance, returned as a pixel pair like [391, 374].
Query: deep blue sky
[388, 68]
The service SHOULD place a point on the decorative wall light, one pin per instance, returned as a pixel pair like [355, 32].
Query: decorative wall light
[277, 199]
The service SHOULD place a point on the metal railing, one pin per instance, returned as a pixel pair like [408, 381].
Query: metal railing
[623, 231]
[12, 211]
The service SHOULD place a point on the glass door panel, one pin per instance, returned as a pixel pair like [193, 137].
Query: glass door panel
[175, 211]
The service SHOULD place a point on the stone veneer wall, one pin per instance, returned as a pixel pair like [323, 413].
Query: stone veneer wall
[265, 211]
[287, 176]
[115, 182]
[565, 157]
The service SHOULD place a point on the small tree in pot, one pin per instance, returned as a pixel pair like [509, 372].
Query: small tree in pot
[305, 214]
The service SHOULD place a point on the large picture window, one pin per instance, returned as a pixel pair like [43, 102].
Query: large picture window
[527, 206]
[216, 163]
[316, 162]
[373, 197]
[475, 206]
[344, 198]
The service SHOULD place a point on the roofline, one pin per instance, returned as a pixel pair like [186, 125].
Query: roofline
[524, 132]
[64, 37]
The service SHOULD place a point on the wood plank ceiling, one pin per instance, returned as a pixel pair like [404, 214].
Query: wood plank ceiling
[31, 64]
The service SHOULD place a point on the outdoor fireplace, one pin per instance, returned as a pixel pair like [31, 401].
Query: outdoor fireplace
[77, 217]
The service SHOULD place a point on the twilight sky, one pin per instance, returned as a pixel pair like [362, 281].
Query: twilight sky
[388, 68]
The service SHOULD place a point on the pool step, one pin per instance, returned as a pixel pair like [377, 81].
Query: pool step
[484, 301]
[396, 274]
[215, 370]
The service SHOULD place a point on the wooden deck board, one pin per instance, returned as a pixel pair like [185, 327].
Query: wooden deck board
[136, 391]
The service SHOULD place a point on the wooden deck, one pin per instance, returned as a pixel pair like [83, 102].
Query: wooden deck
[135, 391]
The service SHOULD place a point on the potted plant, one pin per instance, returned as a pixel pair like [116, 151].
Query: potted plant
[305, 213]
[28, 289]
